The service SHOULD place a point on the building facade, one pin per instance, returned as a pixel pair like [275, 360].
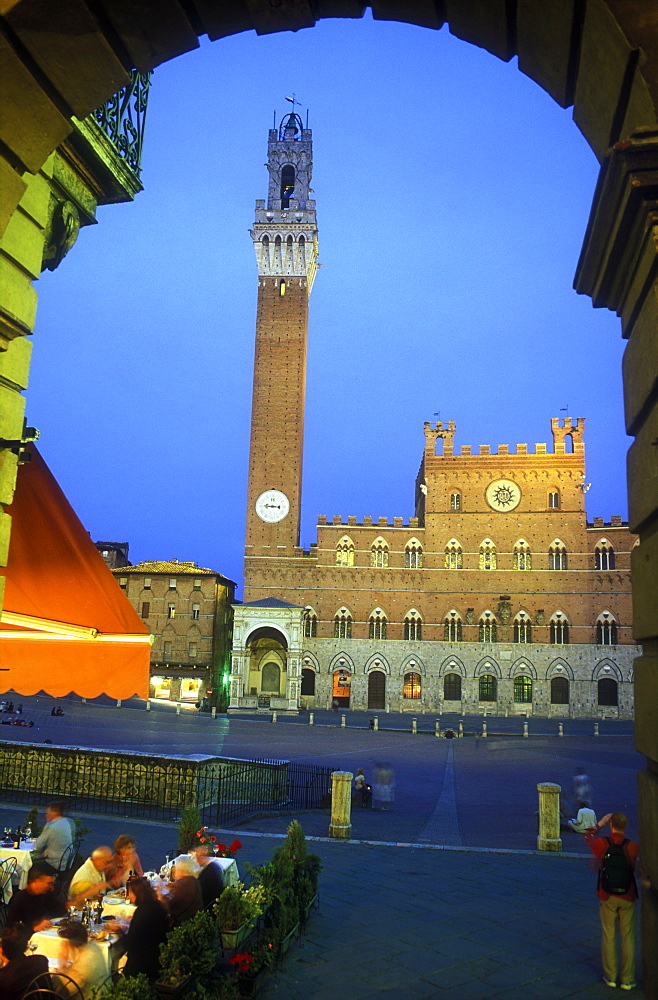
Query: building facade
[189, 612]
[497, 595]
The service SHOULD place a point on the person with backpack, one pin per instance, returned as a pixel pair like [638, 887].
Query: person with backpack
[617, 892]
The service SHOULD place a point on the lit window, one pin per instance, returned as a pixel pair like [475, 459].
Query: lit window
[413, 555]
[559, 629]
[488, 688]
[606, 629]
[522, 555]
[559, 691]
[413, 626]
[310, 623]
[172, 583]
[345, 552]
[412, 686]
[487, 555]
[604, 555]
[196, 612]
[343, 624]
[455, 501]
[557, 555]
[191, 649]
[282, 288]
[379, 554]
[146, 609]
[377, 625]
[453, 559]
[523, 690]
[522, 628]
[452, 628]
[452, 687]
[488, 628]
[171, 611]
[554, 500]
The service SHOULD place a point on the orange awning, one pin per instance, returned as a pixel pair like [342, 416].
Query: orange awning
[66, 624]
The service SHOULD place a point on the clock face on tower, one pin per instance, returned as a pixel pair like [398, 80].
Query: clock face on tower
[272, 506]
[503, 495]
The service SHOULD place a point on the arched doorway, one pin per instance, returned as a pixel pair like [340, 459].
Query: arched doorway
[377, 689]
[267, 651]
[341, 688]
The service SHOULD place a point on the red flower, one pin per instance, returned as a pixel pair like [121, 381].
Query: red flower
[221, 847]
[242, 961]
[235, 846]
[214, 839]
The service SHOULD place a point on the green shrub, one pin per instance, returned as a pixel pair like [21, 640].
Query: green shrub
[190, 949]
[188, 825]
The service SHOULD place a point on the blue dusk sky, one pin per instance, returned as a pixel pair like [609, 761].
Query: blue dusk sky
[452, 198]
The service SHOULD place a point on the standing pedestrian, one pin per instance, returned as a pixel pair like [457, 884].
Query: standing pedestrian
[617, 892]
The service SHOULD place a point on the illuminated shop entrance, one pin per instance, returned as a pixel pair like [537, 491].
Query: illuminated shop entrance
[340, 696]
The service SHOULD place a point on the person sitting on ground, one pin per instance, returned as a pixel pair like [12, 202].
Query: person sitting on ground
[87, 962]
[37, 904]
[125, 862]
[585, 818]
[88, 881]
[184, 899]
[18, 970]
[55, 838]
[210, 877]
[147, 930]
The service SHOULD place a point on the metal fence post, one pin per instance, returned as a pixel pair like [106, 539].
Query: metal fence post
[549, 838]
[341, 805]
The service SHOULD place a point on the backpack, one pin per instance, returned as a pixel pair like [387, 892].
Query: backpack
[616, 872]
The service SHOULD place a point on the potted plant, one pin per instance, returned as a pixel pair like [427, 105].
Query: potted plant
[188, 825]
[302, 867]
[128, 988]
[236, 912]
[188, 955]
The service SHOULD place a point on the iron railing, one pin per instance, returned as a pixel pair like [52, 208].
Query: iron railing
[158, 787]
[123, 118]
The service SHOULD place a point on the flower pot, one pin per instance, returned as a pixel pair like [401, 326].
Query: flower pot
[288, 940]
[177, 989]
[234, 938]
[250, 986]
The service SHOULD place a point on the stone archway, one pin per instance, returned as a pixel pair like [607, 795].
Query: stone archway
[601, 56]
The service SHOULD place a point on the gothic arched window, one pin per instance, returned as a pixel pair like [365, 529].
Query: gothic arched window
[345, 552]
[522, 628]
[412, 686]
[522, 690]
[379, 554]
[488, 627]
[487, 688]
[557, 555]
[606, 629]
[607, 691]
[559, 629]
[453, 558]
[413, 626]
[452, 627]
[487, 555]
[559, 691]
[413, 554]
[377, 625]
[522, 555]
[604, 555]
[343, 624]
[310, 623]
[452, 687]
[287, 185]
[455, 501]
[554, 500]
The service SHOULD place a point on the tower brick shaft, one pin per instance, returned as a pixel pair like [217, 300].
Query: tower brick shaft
[285, 241]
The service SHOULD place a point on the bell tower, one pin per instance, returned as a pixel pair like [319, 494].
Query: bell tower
[286, 243]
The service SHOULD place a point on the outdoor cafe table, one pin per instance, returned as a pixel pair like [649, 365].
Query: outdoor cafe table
[230, 874]
[23, 860]
[49, 943]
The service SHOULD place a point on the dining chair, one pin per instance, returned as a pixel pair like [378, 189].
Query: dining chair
[8, 867]
[65, 871]
[53, 984]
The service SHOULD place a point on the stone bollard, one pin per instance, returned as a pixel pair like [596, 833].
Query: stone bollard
[596, 729]
[148, 706]
[342, 721]
[525, 728]
[414, 726]
[461, 728]
[178, 709]
[549, 838]
[213, 712]
[84, 701]
[437, 727]
[341, 805]
[311, 718]
[118, 702]
[274, 716]
[484, 729]
[375, 722]
[560, 729]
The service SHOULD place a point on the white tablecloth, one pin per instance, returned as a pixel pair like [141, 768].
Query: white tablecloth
[230, 874]
[115, 906]
[49, 943]
[23, 862]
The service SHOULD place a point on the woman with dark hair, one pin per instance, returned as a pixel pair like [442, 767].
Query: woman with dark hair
[18, 970]
[125, 862]
[147, 931]
[88, 967]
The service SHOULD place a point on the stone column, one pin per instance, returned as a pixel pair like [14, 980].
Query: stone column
[341, 805]
[618, 268]
[549, 817]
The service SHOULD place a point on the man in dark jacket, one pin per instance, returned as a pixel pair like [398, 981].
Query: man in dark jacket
[37, 904]
[18, 969]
